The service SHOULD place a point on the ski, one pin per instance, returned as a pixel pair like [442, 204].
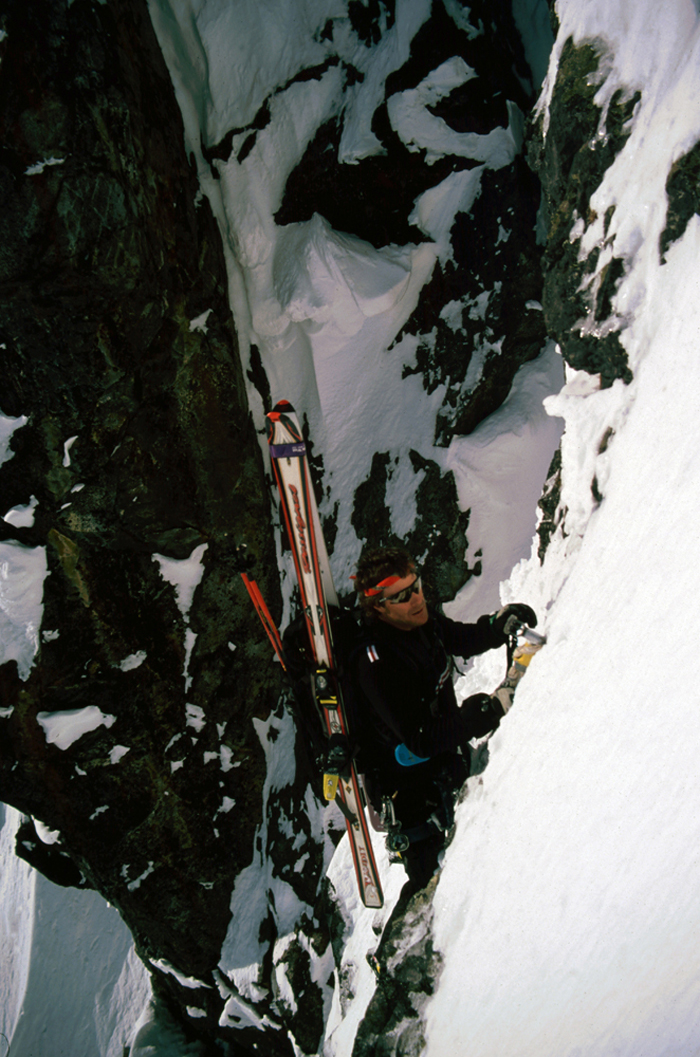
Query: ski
[300, 515]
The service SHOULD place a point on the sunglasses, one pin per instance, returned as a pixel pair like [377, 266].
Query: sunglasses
[404, 596]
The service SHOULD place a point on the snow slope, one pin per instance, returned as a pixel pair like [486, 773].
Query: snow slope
[71, 984]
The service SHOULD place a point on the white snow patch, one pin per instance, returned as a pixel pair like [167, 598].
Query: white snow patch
[358, 140]
[133, 885]
[22, 573]
[499, 471]
[118, 753]
[67, 964]
[420, 130]
[46, 835]
[7, 428]
[63, 729]
[243, 951]
[200, 323]
[38, 167]
[134, 660]
[22, 516]
[226, 755]
[226, 805]
[184, 574]
[195, 717]
[190, 982]
[66, 450]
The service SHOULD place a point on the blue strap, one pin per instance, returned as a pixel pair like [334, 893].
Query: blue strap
[406, 758]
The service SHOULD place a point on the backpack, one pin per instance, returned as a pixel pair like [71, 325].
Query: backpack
[349, 637]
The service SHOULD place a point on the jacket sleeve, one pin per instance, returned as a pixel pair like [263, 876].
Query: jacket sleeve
[468, 640]
[405, 718]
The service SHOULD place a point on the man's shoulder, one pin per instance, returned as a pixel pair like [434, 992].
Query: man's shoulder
[387, 644]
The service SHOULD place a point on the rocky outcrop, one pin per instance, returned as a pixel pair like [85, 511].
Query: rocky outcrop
[118, 345]
[571, 158]
[408, 969]
[478, 319]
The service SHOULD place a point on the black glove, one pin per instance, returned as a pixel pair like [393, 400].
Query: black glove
[480, 715]
[506, 620]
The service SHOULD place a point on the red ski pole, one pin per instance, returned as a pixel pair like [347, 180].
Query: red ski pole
[265, 617]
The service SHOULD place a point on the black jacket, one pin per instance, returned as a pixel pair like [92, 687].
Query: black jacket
[404, 681]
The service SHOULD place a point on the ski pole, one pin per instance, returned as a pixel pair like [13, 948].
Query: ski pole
[265, 617]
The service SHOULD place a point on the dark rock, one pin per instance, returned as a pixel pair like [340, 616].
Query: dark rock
[549, 505]
[49, 859]
[438, 537]
[105, 259]
[571, 163]
[408, 970]
[683, 193]
[496, 275]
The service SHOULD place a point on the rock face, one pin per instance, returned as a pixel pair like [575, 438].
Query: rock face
[580, 144]
[118, 345]
[478, 318]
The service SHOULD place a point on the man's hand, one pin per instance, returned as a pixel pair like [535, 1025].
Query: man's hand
[506, 620]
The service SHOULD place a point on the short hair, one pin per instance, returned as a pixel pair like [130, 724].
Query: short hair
[373, 567]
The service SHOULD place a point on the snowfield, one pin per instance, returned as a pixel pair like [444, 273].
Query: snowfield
[567, 913]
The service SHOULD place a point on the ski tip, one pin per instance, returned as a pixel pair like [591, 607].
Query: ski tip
[282, 407]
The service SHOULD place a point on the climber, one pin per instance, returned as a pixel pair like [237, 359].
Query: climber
[414, 737]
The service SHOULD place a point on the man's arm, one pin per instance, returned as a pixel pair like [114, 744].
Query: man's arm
[409, 721]
[489, 632]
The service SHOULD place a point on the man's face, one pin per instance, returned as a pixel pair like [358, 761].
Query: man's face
[405, 615]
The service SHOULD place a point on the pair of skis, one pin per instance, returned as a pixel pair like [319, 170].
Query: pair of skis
[300, 513]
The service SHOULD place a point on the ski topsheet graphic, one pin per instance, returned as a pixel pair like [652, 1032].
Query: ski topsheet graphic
[300, 513]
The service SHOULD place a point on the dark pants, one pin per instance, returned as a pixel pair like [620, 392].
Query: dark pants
[417, 794]
[420, 860]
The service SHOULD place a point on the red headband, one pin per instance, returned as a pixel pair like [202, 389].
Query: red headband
[371, 591]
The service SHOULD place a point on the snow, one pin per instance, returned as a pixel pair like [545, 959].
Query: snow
[134, 660]
[63, 729]
[420, 130]
[586, 825]
[22, 573]
[185, 981]
[200, 323]
[71, 982]
[577, 849]
[22, 516]
[499, 470]
[7, 428]
[66, 450]
[185, 574]
[257, 890]
[38, 167]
